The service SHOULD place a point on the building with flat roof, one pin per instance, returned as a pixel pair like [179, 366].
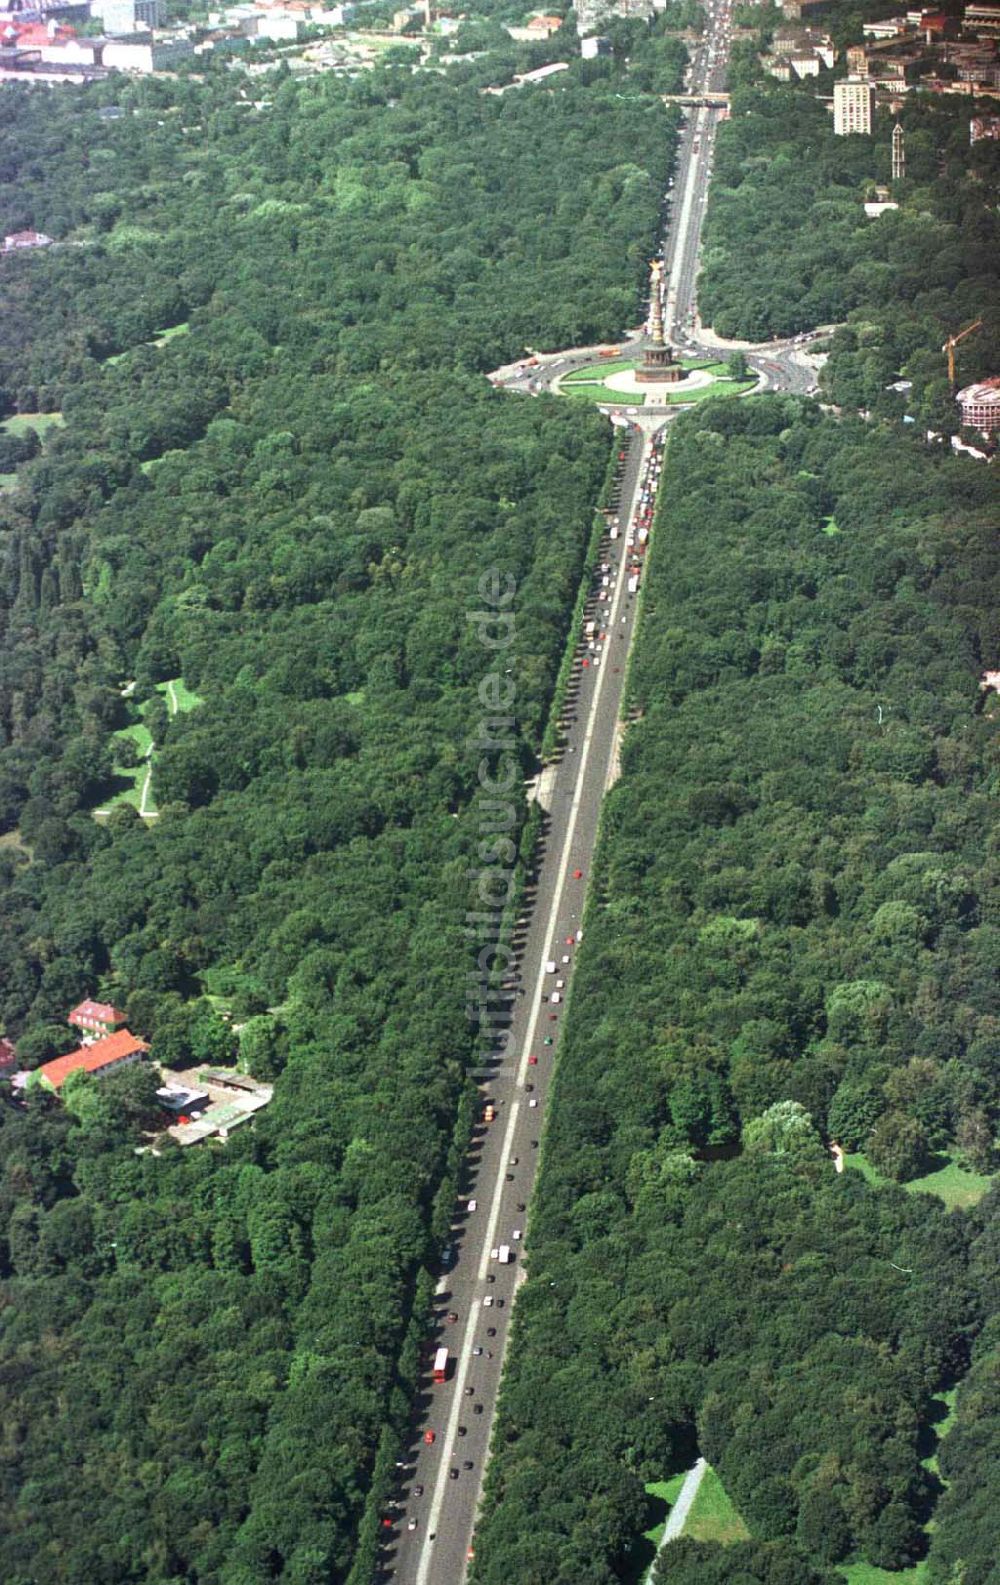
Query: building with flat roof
[128, 16]
[145, 55]
[984, 129]
[980, 406]
[853, 105]
[983, 19]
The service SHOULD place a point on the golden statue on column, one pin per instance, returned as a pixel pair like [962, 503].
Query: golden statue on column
[658, 365]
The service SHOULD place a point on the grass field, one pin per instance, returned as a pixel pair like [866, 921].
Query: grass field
[661, 1496]
[594, 391]
[956, 1186]
[868, 1574]
[7, 481]
[713, 1516]
[19, 422]
[588, 383]
[159, 340]
[178, 695]
[163, 336]
[594, 373]
[830, 526]
[129, 780]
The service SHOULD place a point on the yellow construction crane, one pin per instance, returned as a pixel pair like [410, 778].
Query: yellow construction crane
[952, 343]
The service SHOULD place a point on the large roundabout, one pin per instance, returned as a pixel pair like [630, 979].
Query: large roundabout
[614, 381]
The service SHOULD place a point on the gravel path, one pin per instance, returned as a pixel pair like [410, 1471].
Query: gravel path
[677, 1518]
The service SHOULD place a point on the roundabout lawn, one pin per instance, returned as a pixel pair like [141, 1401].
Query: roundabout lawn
[589, 383]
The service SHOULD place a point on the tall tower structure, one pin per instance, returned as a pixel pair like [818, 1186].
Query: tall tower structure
[898, 153]
[658, 364]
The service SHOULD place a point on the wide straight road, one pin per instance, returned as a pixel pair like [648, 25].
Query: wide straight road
[440, 1478]
[478, 1289]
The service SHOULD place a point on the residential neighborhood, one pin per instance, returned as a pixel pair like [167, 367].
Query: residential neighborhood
[927, 51]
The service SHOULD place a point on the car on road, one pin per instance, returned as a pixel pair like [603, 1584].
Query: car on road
[451, 1317]
[477, 1351]
[488, 1301]
[491, 1331]
[418, 1490]
[411, 1524]
[532, 1102]
[468, 1464]
[516, 1233]
[453, 1474]
[429, 1437]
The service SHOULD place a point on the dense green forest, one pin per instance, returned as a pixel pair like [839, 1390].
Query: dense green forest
[788, 246]
[289, 503]
[792, 936]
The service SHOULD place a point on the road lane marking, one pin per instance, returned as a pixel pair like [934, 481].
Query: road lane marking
[463, 1362]
[475, 1315]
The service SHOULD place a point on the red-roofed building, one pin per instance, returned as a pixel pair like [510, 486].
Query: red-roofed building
[25, 239]
[96, 1018]
[8, 1056]
[103, 1057]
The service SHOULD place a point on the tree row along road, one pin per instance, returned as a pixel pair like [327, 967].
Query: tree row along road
[504, 1158]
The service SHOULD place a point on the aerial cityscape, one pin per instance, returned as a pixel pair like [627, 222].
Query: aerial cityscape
[499, 703]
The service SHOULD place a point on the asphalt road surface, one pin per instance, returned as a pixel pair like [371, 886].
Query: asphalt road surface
[503, 1159]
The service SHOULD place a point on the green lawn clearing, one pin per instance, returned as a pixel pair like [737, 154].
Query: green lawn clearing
[130, 781]
[159, 340]
[139, 733]
[589, 384]
[178, 695]
[7, 481]
[830, 526]
[942, 1418]
[705, 393]
[594, 391]
[868, 1574]
[18, 423]
[660, 1498]
[713, 1516]
[163, 336]
[598, 371]
[955, 1185]
[13, 842]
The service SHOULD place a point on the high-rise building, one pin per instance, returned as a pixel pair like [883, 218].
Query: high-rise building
[853, 104]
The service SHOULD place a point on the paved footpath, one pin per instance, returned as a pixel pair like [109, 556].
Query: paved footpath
[677, 1517]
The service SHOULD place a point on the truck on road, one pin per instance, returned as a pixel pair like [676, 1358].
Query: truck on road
[441, 1365]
